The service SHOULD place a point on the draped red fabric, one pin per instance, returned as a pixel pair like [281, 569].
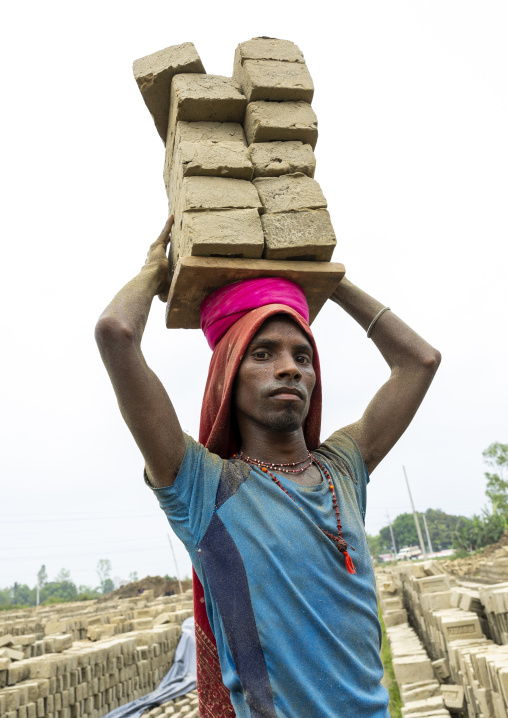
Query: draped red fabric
[218, 434]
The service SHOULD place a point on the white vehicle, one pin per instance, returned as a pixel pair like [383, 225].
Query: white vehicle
[409, 552]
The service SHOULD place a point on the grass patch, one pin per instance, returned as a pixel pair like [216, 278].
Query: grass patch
[389, 677]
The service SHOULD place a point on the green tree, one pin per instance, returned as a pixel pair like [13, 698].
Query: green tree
[404, 530]
[22, 595]
[482, 530]
[57, 591]
[496, 456]
[376, 545]
[63, 575]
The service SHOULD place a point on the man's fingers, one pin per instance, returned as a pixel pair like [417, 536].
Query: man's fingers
[166, 232]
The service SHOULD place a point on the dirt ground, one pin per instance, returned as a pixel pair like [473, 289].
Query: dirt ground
[157, 584]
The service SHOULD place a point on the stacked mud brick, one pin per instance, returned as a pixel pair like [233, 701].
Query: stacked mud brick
[495, 570]
[419, 687]
[458, 625]
[239, 162]
[82, 660]
[184, 707]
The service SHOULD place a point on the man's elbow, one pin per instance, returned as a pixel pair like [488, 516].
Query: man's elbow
[432, 360]
[111, 331]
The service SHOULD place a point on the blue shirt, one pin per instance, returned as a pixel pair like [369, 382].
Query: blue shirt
[297, 635]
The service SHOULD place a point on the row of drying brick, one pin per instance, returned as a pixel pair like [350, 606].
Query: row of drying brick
[90, 680]
[455, 625]
[419, 687]
[186, 706]
[77, 615]
[494, 601]
[58, 633]
[224, 215]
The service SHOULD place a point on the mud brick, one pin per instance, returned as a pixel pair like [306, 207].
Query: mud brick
[11, 699]
[274, 81]
[268, 48]
[207, 159]
[5, 662]
[154, 74]
[441, 669]
[26, 640]
[211, 159]
[289, 193]
[436, 601]
[210, 132]
[272, 159]
[271, 121]
[411, 669]
[395, 617]
[211, 193]
[305, 235]
[17, 672]
[432, 584]
[61, 643]
[205, 98]
[459, 628]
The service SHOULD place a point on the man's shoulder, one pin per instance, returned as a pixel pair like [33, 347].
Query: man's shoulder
[342, 451]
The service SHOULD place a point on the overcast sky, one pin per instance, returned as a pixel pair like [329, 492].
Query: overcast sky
[412, 104]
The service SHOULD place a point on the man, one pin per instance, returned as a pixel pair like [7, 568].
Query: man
[272, 519]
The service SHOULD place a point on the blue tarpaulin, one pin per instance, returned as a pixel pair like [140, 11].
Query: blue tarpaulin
[179, 680]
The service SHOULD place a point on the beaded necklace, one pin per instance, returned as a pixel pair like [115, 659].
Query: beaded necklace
[340, 543]
[279, 467]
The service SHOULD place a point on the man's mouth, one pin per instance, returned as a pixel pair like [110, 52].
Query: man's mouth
[287, 393]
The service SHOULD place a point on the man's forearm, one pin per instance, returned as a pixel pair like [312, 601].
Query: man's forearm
[397, 342]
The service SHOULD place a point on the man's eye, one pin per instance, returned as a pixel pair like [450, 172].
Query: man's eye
[260, 354]
[302, 359]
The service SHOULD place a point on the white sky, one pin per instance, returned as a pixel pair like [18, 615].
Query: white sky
[411, 99]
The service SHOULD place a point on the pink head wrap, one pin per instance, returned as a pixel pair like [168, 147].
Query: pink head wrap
[221, 309]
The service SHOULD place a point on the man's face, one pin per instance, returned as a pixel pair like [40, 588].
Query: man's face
[276, 378]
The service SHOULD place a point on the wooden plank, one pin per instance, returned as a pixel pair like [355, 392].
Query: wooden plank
[197, 277]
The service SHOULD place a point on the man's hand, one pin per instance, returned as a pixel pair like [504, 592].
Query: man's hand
[158, 256]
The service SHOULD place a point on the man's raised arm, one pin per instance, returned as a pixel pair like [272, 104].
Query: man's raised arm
[412, 361]
[143, 401]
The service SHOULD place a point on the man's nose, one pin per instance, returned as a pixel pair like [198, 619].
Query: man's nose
[286, 367]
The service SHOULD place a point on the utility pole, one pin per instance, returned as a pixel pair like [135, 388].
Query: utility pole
[37, 598]
[429, 542]
[418, 530]
[394, 545]
[176, 565]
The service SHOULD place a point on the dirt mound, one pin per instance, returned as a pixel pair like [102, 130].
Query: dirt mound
[474, 566]
[160, 587]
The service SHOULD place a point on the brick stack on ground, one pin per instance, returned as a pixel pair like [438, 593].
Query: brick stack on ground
[464, 628]
[82, 660]
[239, 163]
[419, 687]
[184, 707]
